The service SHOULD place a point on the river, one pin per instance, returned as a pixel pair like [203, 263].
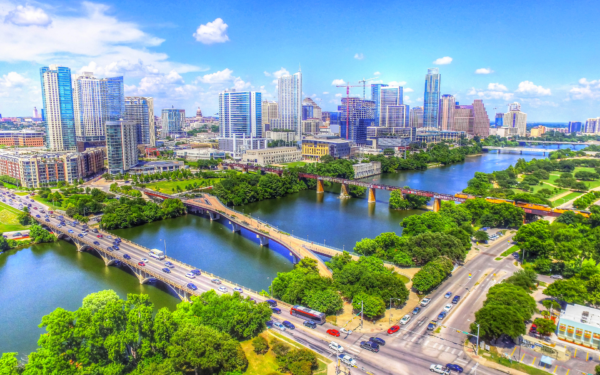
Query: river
[36, 280]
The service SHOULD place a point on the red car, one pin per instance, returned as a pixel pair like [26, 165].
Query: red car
[393, 329]
[141, 264]
[99, 236]
[333, 332]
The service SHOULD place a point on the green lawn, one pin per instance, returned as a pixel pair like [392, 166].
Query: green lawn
[8, 219]
[510, 250]
[568, 197]
[22, 193]
[404, 279]
[294, 164]
[168, 186]
[37, 198]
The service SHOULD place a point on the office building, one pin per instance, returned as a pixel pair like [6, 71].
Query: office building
[376, 97]
[194, 154]
[289, 103]
[121, 146]
[151, 167]
[237, 145]
[538, 131]
[172, 121]
[471, 119]
[499, 122]
[393, 116]
[357, 115]
[312, 126]
[140, 110]
[580, 325]
[388, 96]
[515, 119]
[362, 170]
[313, 148]
[240, 114]
[269, 112]
[21, 138]
[416, 117]
[431, 98]
[592, 126]
[574, 127]
[428, 135]
[446, 112]
[274, 155]
[58, 113]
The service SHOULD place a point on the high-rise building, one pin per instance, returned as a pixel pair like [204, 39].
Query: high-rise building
[58, 114]
[394, 116]
[290, 103]
[388, 96]
[121, 145]
[592, 126]
[446, 112]
[574, 127]
[35, 113]
[515, 119]
[95, 102]
[416, 117]
[354, 123]
[463, 118]
[499, 120]
[310, 109]
[240, 114]
[471, 119]
[172, 121]
[269, 111]
[140, 110]
[431, 98]
[376, 97]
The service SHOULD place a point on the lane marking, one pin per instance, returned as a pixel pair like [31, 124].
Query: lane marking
[575, 354]
[453, 351]
[587, 356]
[447, 348]
[554, 372]
[435, 345]
[513, 352]
[426, 342]
[414, 338]
[568, 371]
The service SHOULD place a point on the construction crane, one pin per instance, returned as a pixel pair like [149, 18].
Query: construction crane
[347, 86]
[364, 82]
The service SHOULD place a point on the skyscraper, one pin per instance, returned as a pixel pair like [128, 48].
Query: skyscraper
[515, 119]
[394, 116]
[35, 113]
[269, 112]
[574, 127]
[361, 114]
[290, 103]
[172, 121]
[140, 110]
[447, 104]
[388, 96]
[416, 117]
[240, 114]
[431, 98]
[481, 120]
[376, 97]
[121, 145]
[58, 114]
[592, 126]
[472, 119]
[310, 107]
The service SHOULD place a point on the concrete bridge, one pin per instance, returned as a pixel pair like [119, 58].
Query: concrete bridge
[527, 149]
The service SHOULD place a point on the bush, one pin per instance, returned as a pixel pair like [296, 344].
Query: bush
[432, 274]
[584, 201]
[260, 344]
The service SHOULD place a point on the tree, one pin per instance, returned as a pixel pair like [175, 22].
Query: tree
[260, 344]
[544, 326]
[97, 301]
[497, 320]
[372, 306]
[432, 274]
[505, 294]
[570, 291]
[9, 364]
[24, 218]
[481, 236]
[427, 222]
[327, 301]
[525, 279]
[40, 235]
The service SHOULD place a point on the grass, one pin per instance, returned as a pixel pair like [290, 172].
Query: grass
[568, 197]
[259, 364]
[510, 250]
[494, 357]
[168, 186]
[51, 206]
[21, 193]
[9, 186]
[499, 258]
[294, 164]
[8, 219]
[404, 279]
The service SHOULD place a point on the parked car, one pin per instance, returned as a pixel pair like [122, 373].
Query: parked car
[453, 367]
[425, 301]
[288, 325]
[405, 319]
[455, 299]
[336, 347]
[370, 345]
[333, 332]
[448, 295]
[377, 340]
[393, 329]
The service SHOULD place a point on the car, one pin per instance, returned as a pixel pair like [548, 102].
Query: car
[126, 256]
[71, 231]
[99, 236]
[276, 310]
[95, 230]
[269, 324]
[109, 237]
[166, 270]
[345, 358]
[196, 272]
[144, 260]
[238, 289]
[96, 243]
[38, 216]
[439, 369]
[432, 325]
[310, 324]
[288, 325]
[442, 315]
[453, 367]
[377, 340]
[35, 208]
[336, 347]
[455, 299]
[393, 329]
[425, 301]
[333, 332]
[271, 302]
[216, 281]
[279, 326]
[558, 277]
[223, 289]
[190, 275]
[116, 247]
[405, 319]
[345, 331]
[169, 264]
[370, 345]
[48, 220]
[192, 286]
[416, 310]
[448, 295]
[448, 307]
[141, 264]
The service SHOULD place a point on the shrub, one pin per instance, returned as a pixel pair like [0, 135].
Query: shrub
[260, 345]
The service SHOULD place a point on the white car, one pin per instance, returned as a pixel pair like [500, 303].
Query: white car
[448, 307]
[239, 290]
[144, 260]
[439, 369]
[190, 275]
[337, 347]
[277, 325]
[405, 319]
[345, 358]
[425, 301]
[223, 289]
[346, 331]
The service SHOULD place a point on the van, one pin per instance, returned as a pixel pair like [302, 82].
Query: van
[271, 302]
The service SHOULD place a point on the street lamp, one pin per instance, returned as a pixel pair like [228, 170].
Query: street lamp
[165, 243]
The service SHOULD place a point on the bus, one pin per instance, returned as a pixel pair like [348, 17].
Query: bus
[155, 253]
[306, 313]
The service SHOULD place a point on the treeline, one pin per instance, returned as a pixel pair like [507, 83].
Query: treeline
[126, 213]
[586, 200]
[10, 180]
[432, 274]
[108, 335]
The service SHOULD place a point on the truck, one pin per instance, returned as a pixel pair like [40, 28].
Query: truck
[439, 369]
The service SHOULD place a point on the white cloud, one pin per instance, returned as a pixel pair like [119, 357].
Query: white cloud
[359, 56]
[338, 82]
[443, 60]
[537, 102]
[497, 87]
[338, 95]
[395, 83]
[225, 79]
[408, 89]
[325, 93]
[28, 16]
[376, 73]
[313, 96]
[212, 32]
[267, 74]
[484, 71]
[280, 73]
[529, 88]
[407, 99]
[13, 79]
[585, 90]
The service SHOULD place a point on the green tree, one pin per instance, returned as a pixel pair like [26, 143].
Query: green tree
[497, 320]
[97, 301]
[373, 306]
[9, 364]
[570, 291]
[327, 301]
[525, 279]
[544, 326]
[432, 274]
[505, 294]
[260, 344]
[40, 235]
[481, 236]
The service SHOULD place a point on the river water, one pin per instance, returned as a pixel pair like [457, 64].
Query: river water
[36, 280]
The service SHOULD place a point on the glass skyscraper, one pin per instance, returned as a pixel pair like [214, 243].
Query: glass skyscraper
[574, 127]
[499, 119]
[121, 146]
[431, 98]
[361, 115]
[290, 103]
[172, 121]
[141, 111]
[375, 96]
[240, 114]
[388, 96]
[58, 114]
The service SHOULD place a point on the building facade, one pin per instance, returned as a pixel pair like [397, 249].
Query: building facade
[312, 126]
[416, 117]
[239, 145]
[574, 127]
[172, 121]
[376, 97]
[362, 170]
[431, 98]
[274, 155]
[357, 115]
[394, 116]
[310, 109]
[314, 148]
[592, 126]
[140, 110]
[194, 154]
[282, 136]
[447, 106]
[388, 96]
[580, 325]
[269, 112]
[515, 119]
[21, 138]
[289, 97]
[240, 114]
[121, 146]
[58, 113]
[499, 121]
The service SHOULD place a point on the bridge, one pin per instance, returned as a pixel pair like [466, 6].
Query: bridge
[528, 149]
[556, 143]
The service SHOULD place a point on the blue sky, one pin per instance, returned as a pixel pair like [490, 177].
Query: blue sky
[544, 54]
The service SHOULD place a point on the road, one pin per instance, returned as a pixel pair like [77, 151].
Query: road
[410, 351]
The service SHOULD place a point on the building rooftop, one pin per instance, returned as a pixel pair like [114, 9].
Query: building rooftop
[583, 314]
[326, 139]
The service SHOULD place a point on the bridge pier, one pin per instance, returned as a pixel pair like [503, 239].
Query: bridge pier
[235, 227]
[344, 192]
[213, 216]
[264, 241]
[320, 187]
[437, 202]
[371, 195]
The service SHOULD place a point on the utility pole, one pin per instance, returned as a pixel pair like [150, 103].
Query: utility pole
[362, 307]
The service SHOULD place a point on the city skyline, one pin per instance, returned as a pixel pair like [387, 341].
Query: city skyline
[187, 61]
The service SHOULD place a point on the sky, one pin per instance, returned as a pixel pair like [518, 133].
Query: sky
[544, 54]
